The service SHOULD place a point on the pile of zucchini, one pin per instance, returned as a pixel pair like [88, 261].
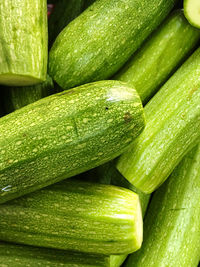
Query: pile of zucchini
[99, 133]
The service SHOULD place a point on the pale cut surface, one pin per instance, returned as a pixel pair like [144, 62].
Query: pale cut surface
[192, 12]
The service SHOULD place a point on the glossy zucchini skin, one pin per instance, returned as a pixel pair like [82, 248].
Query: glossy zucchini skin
[150, 67]
[173, 128]
[76, 216]
[23, 42]
[63, 13]
[65, 134]
[171, 227]
[17, 97]
[15, 255]
[98, 42]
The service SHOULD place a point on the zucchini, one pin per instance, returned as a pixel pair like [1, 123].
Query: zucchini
[99, 41]
[192, 12]
[171, 227]
[65, 134]
[160, 56]
[23, 42]
[18, 97]
[13, 255]
[88, 3]
[63, 13]
[173, 128]
[75, 215]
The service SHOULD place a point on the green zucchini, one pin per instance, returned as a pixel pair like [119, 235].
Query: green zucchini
[63, 13]
[13, 255]
[88, 3]
[160, 56]
[18, 97]
[99, 41]
[23, 42]
[171, 227]
[65, 134]
[192, 12]
[75, 215]
[173, 128]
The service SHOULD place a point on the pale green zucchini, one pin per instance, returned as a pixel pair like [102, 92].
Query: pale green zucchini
[99, 41]
[64, 12]
[192, 12]
[160, 56]
[18, 97]
[171, 227]
[75, 215]
[65, 134]
[106, 174]
[23, 42]
[173, 128]
[13, 255]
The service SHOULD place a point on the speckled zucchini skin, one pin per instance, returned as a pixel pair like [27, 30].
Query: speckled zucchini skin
[173, 128]
[75, 215]
[18, 97]
[23, 256]
[63, 13]
[65, 134]
[171, 227]
[160, 56]
[23, 42]
[98, 42]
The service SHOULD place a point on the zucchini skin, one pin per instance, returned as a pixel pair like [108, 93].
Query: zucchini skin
[75, 216]
[97, 43]
[23, 43]
[171, 227]
[63, 13]
[14, 255]
[160, 56]
[65, 134]
[18, 97]
[172, 129]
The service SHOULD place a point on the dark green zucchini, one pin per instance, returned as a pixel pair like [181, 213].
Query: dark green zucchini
[13, 255]
[64, 12]
[173, 128]
[98, 42]
[18, 97]
[65, 134]
[172, 224]
[23, 42]
[75, 215]
[160, 56]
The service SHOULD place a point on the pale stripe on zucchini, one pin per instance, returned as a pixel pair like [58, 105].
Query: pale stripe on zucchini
[75, 215]
[160, 56]
[173, 128]
[172, 224]
[23, 42]
[192, 12]
[65, 134]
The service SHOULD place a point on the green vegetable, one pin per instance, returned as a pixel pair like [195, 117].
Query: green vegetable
[18, 97]
[106, 174]
[65, 134]
[173, 128]
[88, 3]
[64, 12]
[98, 42]
[192, 12]
[159, 57]
[171, 227]
[23, 42]
[21, 256]
[75, 215]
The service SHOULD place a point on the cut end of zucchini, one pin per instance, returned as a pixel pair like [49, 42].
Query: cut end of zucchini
[10, 79]
[139, 226]
[192, 12]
